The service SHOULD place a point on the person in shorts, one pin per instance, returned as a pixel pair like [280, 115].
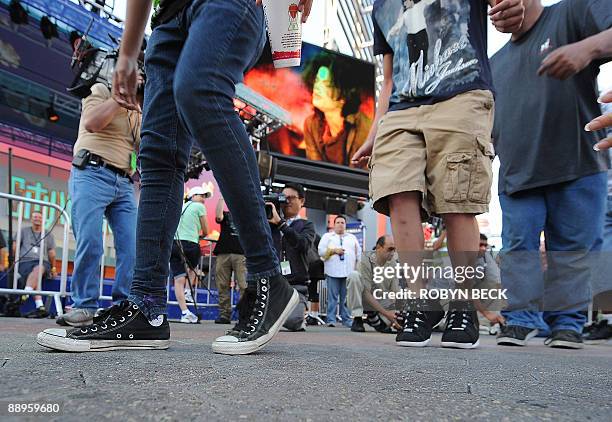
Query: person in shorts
[185, 254]
[429, 148]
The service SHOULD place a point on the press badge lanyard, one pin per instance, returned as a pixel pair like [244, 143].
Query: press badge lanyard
[285, 264]
[37, 244]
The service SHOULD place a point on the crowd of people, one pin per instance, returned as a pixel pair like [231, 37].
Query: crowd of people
[444, 111]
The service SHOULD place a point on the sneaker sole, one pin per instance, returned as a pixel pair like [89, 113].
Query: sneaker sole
[561, 344]
[455, 345]
[511, 341]
[414, 343]
[247, 347]
[71, 345]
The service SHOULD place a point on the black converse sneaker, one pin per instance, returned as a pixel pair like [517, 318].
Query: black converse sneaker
[565, 339]
[418, 321]
[122, 326]
[273, 304]
[461, 329]
[513, 335]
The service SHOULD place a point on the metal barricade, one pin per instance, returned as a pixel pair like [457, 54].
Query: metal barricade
[65, 249]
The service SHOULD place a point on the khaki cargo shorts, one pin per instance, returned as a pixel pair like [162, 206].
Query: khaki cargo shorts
[442, 150]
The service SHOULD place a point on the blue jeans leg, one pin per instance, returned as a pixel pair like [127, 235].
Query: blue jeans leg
[92, 190]
[573, 241]
[524, 216]
[333, 291]
[121, 215]
[189, 95]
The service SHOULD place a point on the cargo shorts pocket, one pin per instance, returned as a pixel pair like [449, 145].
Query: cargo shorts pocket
[457, 179]
[482, 175]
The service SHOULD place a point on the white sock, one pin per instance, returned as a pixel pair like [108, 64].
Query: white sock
[39, 303]
[28, 288]
[607, 317]
[185, 312]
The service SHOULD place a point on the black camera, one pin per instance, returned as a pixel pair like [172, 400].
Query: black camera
[277, 199]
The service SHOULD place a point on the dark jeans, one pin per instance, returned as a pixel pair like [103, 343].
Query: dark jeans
[571, 215]
[193, 63]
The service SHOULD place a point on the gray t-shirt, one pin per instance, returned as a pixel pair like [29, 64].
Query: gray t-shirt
[539, 120]
[30, 244]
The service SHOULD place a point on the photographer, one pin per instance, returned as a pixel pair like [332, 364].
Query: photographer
[100, 186]
[293, 237]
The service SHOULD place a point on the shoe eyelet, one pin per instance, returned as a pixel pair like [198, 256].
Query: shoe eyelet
[118, 335]
[135, 307]
[122, 319]
[93, 330]
[260, 313]
[256, 321]
[263, 281]
[129, 313]
[113, 323]
[83, 330]
[131, 336]
[104, 327]
[263, 305]
[264, 288]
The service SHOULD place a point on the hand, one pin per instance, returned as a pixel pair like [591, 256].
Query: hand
[392, 317]
[304, 6]
[508, 15]
[361, 157]
[602, 122]
[565, 61]
[494, 317]
[53, 272]
[275, 216]
[339, 251]
[124, 83]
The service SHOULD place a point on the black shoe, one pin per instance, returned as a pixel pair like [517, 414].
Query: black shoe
[513, 335]
[310, 320]
[357, 326]
[564, 339]
[418, 324]
[377, 323]
[38, 313]
[122, 326]
[222, 320]
[273, 304]
[599, 333]
[461, 330]
[245, 307]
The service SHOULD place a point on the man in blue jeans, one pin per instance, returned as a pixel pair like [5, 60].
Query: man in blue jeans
[551, 180]
[197, 52]
[100, 186]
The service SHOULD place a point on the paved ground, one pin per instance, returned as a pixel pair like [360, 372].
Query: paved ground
[323, 374]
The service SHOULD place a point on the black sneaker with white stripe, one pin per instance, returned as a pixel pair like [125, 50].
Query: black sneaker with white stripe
[273, 304]
[514, 335]
[418, 323]
[122, 326]
[461, 329]
[564, 339]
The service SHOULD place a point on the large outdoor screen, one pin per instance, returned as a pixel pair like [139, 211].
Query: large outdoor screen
[330, 99]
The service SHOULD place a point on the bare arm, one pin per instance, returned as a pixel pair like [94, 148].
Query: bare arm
[126, 70]
[97, 118]
[363, 154]
[204, 225]
[219, 211]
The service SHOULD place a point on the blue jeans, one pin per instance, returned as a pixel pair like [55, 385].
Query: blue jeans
[571, 215]
[97, 192]
[336, 289]
[193, 63]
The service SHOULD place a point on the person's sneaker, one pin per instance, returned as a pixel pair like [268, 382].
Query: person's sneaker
[79, 317]
[245, 307]
[418, 322]
[189, 318]
[188, 297]
[357, 326]
[222, 320]
[38, 313]
[275, 299]
[377, 323]
[599, 333]
[122, 326]
[564, 339]
[312, 320]
[461, 330]
[513, 335]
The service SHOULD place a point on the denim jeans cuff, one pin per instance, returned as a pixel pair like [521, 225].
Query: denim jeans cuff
[252, 278]
[148, 307]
